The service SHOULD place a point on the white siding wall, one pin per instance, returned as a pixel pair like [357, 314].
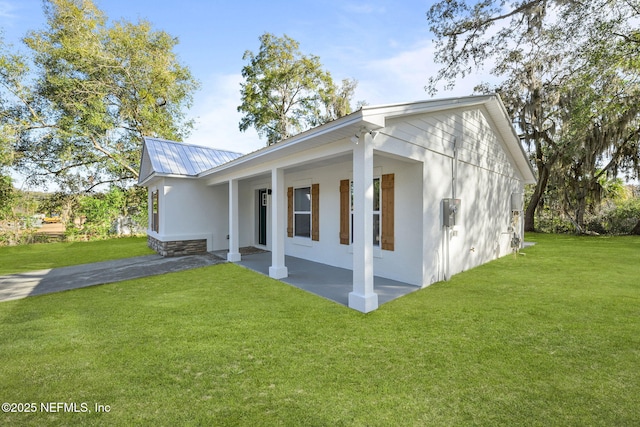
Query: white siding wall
[485, 217]
[437, 186]
[485, 180]
[218, 218]
[191, 210]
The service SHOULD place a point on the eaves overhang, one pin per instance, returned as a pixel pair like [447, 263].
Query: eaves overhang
[156, 175]
[345, 127]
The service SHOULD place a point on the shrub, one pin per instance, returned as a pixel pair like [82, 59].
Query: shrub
[623, 217]
[108, 214]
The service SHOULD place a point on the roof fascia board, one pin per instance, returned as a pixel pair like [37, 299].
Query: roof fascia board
[397, 110]
[284, 146]
[324, 151]
[155, 175]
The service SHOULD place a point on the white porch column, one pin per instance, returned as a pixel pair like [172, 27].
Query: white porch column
[363, 298]
[278, 270]
[234, 250]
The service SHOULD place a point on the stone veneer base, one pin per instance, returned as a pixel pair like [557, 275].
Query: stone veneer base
[177, 247]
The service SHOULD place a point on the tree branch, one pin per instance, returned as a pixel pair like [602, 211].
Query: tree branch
[110, 155]
[491, 20]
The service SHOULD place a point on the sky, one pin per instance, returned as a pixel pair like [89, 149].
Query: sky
[385, 45]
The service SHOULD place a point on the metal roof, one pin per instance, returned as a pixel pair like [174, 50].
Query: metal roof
[175, 158]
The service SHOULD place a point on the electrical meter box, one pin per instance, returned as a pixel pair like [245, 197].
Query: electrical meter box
[517, 202]
[450, 208]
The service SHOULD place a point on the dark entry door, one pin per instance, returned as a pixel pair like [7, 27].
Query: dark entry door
[262, 217]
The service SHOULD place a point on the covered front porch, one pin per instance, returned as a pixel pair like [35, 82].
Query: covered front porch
[313, 198]
[332, 283]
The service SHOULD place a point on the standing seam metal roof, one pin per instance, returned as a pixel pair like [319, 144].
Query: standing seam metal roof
[175, 158]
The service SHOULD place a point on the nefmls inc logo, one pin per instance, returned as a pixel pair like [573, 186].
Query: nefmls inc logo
[73, 407]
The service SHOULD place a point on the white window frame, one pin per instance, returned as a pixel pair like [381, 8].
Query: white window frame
[297, 212]
[155, 211]
[377, 251]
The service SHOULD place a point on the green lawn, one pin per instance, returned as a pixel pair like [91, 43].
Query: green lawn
[543, 339]
[18, 259]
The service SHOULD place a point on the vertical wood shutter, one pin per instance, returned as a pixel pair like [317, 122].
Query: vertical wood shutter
[315, 212]
[387, 237]
[290, 212]
[345, 209]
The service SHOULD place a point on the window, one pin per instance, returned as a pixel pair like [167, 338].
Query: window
[302, 212]
[155, 226]
[376, 211]
[383, 212]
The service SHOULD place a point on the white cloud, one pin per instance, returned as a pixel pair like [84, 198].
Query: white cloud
[217, 118]
[403, 77]
[6, 10]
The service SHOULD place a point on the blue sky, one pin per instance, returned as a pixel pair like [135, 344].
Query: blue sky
[385, 45]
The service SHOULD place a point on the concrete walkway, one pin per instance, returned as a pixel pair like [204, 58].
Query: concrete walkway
[21, 285]
[323, 280]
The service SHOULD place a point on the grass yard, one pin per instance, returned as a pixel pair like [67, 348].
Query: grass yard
[549, 338]
[18, 259]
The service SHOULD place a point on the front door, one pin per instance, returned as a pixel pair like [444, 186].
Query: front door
[262, 217]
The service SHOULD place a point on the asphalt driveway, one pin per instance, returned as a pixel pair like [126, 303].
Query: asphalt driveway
[21, 285]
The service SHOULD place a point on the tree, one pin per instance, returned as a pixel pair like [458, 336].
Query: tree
[545, 51]
[605, 127]
[13, 118]
[286, 92]
[336, 101]
[14, 96]
[98, 90]
[7, 196]
[98, 214]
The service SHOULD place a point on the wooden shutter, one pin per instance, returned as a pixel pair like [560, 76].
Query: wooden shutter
[290, 212]
[315, 212]
[387, 185]
[345, 209]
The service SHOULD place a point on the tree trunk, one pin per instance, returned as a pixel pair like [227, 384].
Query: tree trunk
[636, 229]
[536, 197]
[580, 210]
[576, 224]
[530, 212]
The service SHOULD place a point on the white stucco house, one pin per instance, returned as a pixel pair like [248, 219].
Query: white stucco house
[413, 192]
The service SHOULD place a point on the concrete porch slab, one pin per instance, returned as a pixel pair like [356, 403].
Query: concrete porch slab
[329, 282]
